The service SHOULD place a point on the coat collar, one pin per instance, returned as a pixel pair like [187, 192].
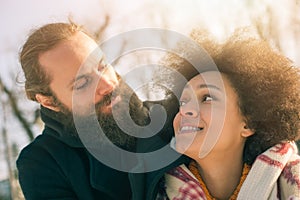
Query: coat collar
[111, 181]
[55, 127]
[145, 185]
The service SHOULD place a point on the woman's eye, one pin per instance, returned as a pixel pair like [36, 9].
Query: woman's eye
[82, 83]
[182, 103]
[207, 98]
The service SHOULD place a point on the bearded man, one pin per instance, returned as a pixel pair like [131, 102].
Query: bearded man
[67, 74]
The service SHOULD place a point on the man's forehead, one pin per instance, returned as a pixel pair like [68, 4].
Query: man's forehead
[80, 48]
[94, 57]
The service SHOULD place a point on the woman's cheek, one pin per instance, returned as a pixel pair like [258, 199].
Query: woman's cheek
[176, 123]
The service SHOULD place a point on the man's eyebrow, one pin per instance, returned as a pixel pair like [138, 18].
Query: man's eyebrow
[83, 75]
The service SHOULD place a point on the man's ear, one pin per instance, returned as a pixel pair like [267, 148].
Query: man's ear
[47, 102]
[246, 132]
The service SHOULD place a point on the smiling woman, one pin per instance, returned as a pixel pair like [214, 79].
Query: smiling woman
[237, 125]
[205, 105]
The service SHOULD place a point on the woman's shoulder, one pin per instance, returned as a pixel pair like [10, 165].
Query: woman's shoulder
[289, 180]
[291, 170]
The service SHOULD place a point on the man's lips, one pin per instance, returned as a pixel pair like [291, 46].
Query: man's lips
[115, 100]
[107, 106]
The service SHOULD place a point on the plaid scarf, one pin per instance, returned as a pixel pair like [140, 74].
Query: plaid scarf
[275, 175]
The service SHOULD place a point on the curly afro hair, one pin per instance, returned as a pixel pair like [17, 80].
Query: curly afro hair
[266, 82]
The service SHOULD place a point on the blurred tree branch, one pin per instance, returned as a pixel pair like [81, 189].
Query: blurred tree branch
[268, 31]
[16, 110]
[99, 33]
[8, 154]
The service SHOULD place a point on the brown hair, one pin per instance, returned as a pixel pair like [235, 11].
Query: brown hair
[41, 40]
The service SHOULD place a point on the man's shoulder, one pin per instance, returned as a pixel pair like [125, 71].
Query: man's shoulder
[45, 148]
[48, 154]
[42, 143]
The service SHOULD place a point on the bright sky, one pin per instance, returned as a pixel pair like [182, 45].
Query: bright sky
[19, 17]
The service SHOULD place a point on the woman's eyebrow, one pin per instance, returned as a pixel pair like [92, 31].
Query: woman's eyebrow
[205, 86]
[209, 86]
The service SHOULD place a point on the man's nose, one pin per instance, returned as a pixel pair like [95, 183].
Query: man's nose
[106, 84]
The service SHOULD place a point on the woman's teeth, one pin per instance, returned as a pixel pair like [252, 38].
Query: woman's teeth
[190, 128]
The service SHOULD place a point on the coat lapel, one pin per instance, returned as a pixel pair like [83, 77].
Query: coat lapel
[103, 178]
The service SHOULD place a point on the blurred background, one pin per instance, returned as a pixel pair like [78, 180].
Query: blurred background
[277, 21]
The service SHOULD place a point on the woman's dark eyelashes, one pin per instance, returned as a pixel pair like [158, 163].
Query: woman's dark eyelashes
[207, 97]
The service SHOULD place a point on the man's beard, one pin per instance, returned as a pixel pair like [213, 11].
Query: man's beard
[107, 121]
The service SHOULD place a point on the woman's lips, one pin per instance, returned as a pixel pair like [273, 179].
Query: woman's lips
[189, 128]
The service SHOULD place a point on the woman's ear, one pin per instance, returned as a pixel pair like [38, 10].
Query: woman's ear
[47, 102]
[246, 132]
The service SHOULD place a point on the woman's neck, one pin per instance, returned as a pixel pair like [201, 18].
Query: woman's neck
[221, 174]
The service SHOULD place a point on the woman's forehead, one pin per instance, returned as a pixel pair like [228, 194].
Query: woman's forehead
[213, 78]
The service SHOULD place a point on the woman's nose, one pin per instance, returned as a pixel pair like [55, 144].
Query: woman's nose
[189, 111]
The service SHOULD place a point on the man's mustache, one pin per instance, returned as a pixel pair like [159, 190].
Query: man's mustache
[107, 99]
